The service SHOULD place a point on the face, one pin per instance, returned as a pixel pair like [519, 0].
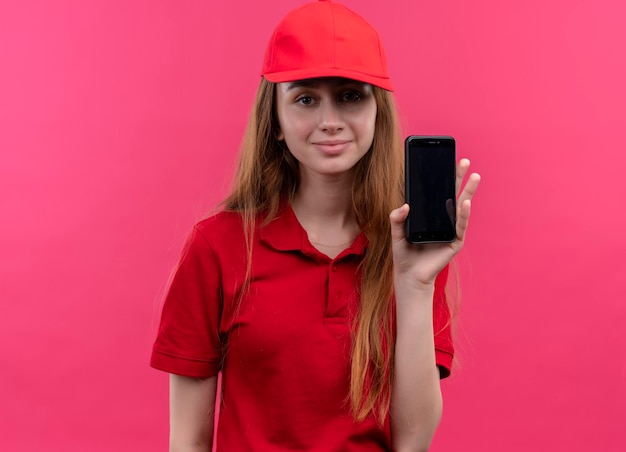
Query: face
[327, 123]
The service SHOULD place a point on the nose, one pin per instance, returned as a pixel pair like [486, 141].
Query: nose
[330, 119]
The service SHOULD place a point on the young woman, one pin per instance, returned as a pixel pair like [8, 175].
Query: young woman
[330, 330]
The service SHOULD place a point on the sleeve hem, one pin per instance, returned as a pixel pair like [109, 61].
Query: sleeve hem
[444, 363]
[184, 367]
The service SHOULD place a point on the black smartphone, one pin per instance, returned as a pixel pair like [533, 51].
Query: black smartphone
[430, 178]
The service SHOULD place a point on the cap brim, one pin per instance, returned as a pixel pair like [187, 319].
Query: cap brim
[302, 74]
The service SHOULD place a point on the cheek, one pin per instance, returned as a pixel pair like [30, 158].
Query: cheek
[293, 126]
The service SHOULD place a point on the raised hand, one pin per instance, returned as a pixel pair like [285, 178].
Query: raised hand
[419, 264]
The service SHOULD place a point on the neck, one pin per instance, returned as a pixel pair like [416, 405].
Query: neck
[324, 208]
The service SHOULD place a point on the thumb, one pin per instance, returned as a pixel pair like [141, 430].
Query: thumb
[397, 218]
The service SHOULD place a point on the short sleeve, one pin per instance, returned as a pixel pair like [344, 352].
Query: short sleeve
[444, 349]
[188, 341]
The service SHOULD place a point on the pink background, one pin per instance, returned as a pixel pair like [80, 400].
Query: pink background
[119, 124]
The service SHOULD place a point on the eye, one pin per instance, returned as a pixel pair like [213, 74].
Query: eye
[304, 100]
[351, 96]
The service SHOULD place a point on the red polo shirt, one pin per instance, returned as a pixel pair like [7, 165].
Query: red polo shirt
[284, 353]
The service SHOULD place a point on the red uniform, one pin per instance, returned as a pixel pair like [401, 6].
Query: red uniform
[284, 352]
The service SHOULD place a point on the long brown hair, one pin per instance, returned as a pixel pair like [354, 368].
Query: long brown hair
[268, 175]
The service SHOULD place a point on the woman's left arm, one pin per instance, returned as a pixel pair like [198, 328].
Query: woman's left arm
[416, 402]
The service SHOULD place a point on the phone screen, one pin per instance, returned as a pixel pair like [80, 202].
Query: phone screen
[430, 168]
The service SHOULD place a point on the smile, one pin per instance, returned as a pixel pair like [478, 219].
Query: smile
[332, 147]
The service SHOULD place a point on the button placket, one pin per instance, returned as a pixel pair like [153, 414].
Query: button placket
[336, 303]
[332, 270]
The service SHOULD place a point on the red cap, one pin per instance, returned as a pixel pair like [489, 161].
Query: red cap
[325, 39]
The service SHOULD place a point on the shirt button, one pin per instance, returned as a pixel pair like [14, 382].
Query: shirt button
[334, 268]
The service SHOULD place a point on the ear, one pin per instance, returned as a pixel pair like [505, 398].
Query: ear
[280, 136]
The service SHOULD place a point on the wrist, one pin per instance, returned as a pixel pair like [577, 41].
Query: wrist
[412, 285]
[413, 295]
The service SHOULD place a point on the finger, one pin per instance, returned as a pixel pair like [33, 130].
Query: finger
[397, 219]
[462, 221]
[461, 171]
[470, 188]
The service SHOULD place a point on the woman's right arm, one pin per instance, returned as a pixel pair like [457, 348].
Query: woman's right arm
[192, 413]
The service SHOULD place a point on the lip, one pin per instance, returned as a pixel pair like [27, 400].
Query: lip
[331, 142]
[332, 147]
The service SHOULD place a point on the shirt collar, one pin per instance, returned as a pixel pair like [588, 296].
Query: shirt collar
[285, 233]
